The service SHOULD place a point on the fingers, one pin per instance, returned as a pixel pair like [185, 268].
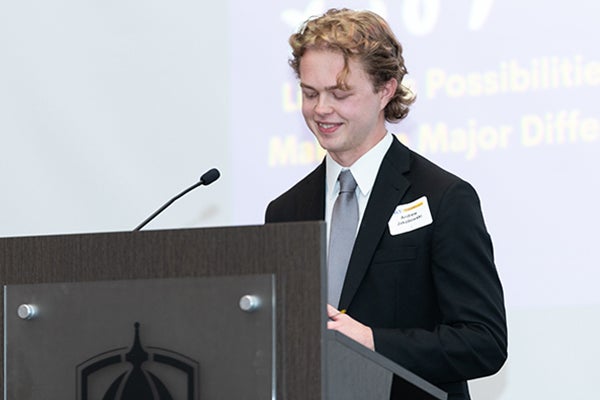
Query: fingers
[333, 313]
[339, 321]
[331, 310]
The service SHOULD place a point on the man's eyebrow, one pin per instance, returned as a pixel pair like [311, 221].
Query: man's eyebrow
[327, 89]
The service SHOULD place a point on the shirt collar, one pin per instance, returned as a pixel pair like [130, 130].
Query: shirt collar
[364, 169]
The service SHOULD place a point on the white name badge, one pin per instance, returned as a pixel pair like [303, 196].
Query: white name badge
[411, 216]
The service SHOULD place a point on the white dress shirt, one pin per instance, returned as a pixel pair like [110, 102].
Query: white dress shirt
[364, 170]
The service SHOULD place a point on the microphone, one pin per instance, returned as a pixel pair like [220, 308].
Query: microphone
[209, 177]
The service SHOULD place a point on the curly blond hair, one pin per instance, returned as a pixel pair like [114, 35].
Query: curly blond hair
[365, 37]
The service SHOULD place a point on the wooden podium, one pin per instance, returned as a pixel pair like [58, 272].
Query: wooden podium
[285, 263]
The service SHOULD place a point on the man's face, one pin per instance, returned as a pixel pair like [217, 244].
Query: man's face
[347, 123]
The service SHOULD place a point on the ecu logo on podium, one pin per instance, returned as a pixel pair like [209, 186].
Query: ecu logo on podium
[138, 372]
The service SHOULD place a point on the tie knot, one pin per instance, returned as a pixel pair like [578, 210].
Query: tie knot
[347, 182]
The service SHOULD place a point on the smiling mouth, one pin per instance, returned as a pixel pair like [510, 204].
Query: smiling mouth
[327, 126]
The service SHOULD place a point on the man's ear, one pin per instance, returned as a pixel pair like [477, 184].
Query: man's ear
[387, 91]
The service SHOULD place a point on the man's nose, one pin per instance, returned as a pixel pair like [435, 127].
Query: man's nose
[323, 105]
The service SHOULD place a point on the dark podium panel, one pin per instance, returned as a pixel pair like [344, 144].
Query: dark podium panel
[235, 312]
[186, 337]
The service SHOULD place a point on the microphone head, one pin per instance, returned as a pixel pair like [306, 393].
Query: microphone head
[210, 176]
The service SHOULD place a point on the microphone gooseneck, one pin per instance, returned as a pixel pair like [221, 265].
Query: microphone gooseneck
[206, 179]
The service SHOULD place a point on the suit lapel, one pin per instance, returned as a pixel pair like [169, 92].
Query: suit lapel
[390, 185]
[314, 202]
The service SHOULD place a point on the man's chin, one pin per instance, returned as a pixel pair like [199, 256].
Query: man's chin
[328, 143]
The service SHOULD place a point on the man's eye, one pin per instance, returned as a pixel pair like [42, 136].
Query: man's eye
[309, 95]
[340, 95]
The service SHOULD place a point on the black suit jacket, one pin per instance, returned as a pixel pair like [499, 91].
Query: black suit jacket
[432, 296]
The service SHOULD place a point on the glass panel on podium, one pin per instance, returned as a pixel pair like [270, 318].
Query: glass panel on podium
[192, 338]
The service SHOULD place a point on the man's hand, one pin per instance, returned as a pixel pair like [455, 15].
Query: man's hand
[343, 323]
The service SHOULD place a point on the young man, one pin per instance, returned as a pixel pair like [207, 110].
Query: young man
[418, 282]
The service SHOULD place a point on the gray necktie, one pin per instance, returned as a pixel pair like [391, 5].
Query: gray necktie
[344, 220]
